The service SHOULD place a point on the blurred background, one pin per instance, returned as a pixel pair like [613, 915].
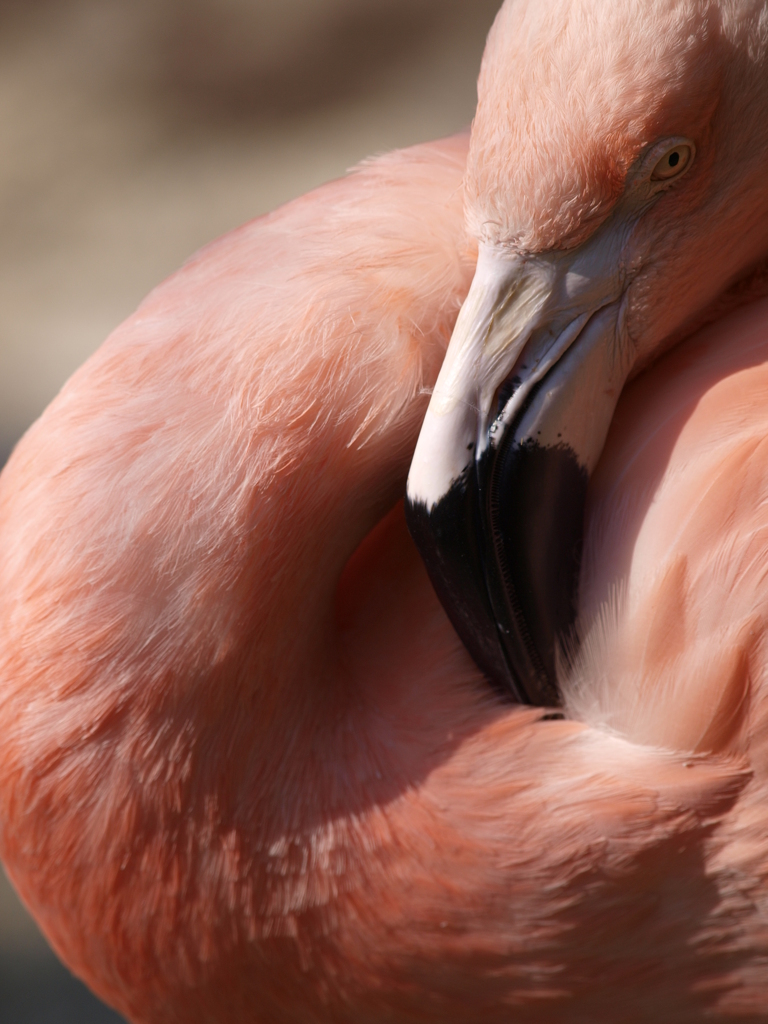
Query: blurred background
[134, 131]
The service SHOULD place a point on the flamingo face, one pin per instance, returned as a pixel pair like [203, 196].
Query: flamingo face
[556, 322]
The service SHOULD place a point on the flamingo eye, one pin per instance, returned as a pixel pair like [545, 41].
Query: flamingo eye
[674, 162]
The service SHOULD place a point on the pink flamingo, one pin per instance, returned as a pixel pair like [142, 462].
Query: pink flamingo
[248, 771]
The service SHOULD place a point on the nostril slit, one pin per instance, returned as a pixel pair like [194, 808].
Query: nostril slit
[505, 392]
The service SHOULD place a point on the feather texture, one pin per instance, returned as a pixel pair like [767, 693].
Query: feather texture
[247, 771]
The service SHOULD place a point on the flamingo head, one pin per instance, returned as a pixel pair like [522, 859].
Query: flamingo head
[616, 187]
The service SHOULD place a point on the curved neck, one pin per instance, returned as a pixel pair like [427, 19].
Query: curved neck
[173, 531]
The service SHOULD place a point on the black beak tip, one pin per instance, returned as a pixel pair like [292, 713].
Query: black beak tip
[503, 548]
[449, 536]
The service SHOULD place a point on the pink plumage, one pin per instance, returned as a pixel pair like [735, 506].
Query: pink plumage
[247, 770]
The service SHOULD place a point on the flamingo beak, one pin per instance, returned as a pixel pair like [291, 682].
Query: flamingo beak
[514, 428]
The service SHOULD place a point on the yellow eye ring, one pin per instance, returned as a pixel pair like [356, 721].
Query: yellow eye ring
[673, 162]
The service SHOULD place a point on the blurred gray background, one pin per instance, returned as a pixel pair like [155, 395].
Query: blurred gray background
[134, 131]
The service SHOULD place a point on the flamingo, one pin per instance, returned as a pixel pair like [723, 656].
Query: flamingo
[249, 768]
